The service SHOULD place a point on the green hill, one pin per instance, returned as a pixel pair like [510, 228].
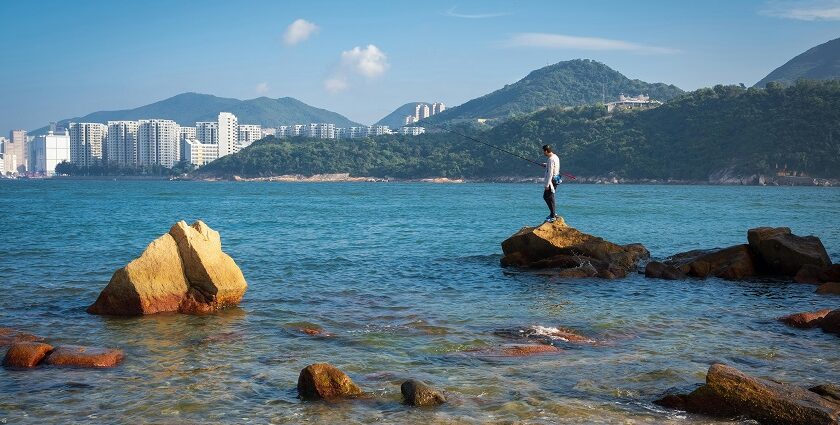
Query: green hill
[818, 63]
[703, 133]
[396, 119]
[188, 108]
[571, 83]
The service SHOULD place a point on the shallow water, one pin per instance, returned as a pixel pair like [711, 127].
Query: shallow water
[406, 278]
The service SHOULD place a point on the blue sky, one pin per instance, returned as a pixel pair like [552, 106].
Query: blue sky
[62, 59]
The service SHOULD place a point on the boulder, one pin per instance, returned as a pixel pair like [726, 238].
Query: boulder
[322, 381]
[25, 355]
[784, 253]
[577, 254]
[733, 263]
[417, 393]
[730, 392]
[809, 274]
[657, 270]
[182, 271]
[831, 322]
[527, 350]
[77, 356]
[829, 288]
[805, 320]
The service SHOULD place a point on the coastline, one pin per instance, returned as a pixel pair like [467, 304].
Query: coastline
[755, 180]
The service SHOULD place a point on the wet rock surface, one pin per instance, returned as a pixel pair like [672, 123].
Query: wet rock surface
[26, 355]
[572, 253]
[730, 392]
[323, 381]
[418, 393]
[86, 357]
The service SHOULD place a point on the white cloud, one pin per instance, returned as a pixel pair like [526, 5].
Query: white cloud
[805, 10]
[262, 88]
[451, 12]
[299, 31]
[366, 62]
[560, 41]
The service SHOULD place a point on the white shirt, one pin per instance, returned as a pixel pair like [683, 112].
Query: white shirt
[552, 168]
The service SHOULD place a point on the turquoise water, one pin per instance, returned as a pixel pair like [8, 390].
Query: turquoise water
[405, 278]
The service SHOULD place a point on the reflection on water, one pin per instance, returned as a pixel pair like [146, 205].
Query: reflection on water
[403, 279]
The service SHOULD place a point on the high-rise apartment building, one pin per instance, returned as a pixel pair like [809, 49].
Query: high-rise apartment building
[200, 154]
[121, 143]
[249, 133]
[158, 143]
[207, 132]
[189, 133]
[87, 143]
[421, 111]
[228, 134]
[15, 152]
[49, 150]
[438, 107]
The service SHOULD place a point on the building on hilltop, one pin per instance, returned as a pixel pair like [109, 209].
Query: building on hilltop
[412, 131]
[625, 103]
[50, 150]
[249, 133]
[267, 131]
[87, 143]
[158, 143]
[200, 154]
[438, 107]
[121, 142]
[424, 110]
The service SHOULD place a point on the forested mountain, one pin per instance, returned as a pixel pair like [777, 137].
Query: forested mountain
[818, 63]
[571, 83]
[188, 108]
[396, 119]
[744, 131]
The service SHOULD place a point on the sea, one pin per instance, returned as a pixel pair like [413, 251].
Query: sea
[404, 280]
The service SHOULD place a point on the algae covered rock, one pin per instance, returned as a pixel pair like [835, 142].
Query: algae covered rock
[417, 393]
[183, 271]
[323, 381]
[576, 254]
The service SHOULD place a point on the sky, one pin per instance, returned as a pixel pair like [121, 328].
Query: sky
[363, 59]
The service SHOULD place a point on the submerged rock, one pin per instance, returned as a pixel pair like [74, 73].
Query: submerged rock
[805, 320]
[26, 355]
[544, 334]
[559, 246]
[9, 336]
[184, 270]
[322, 381]
[657, 270]
[526, 350]
[417, 393]
[829, 288]
[730, 392]
[77, 356]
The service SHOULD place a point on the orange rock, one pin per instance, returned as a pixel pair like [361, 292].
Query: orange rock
[322, 381]
[805, 320]
[26, 355]
[524, 350]
[72, 355]
[829, 288]
[313, 331]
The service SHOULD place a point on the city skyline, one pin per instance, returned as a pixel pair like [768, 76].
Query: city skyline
[331, 55]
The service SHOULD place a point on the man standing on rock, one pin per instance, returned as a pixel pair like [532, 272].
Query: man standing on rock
[552, 178]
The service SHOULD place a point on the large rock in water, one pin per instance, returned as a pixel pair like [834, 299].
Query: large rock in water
[323, 381]
[733, 263]
[183, 271]
[557, 245]
[784, 253]
[730, 392]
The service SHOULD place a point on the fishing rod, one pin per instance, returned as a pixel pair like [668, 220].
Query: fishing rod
[502, 150]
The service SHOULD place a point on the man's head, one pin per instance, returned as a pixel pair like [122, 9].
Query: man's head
[547, 150]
